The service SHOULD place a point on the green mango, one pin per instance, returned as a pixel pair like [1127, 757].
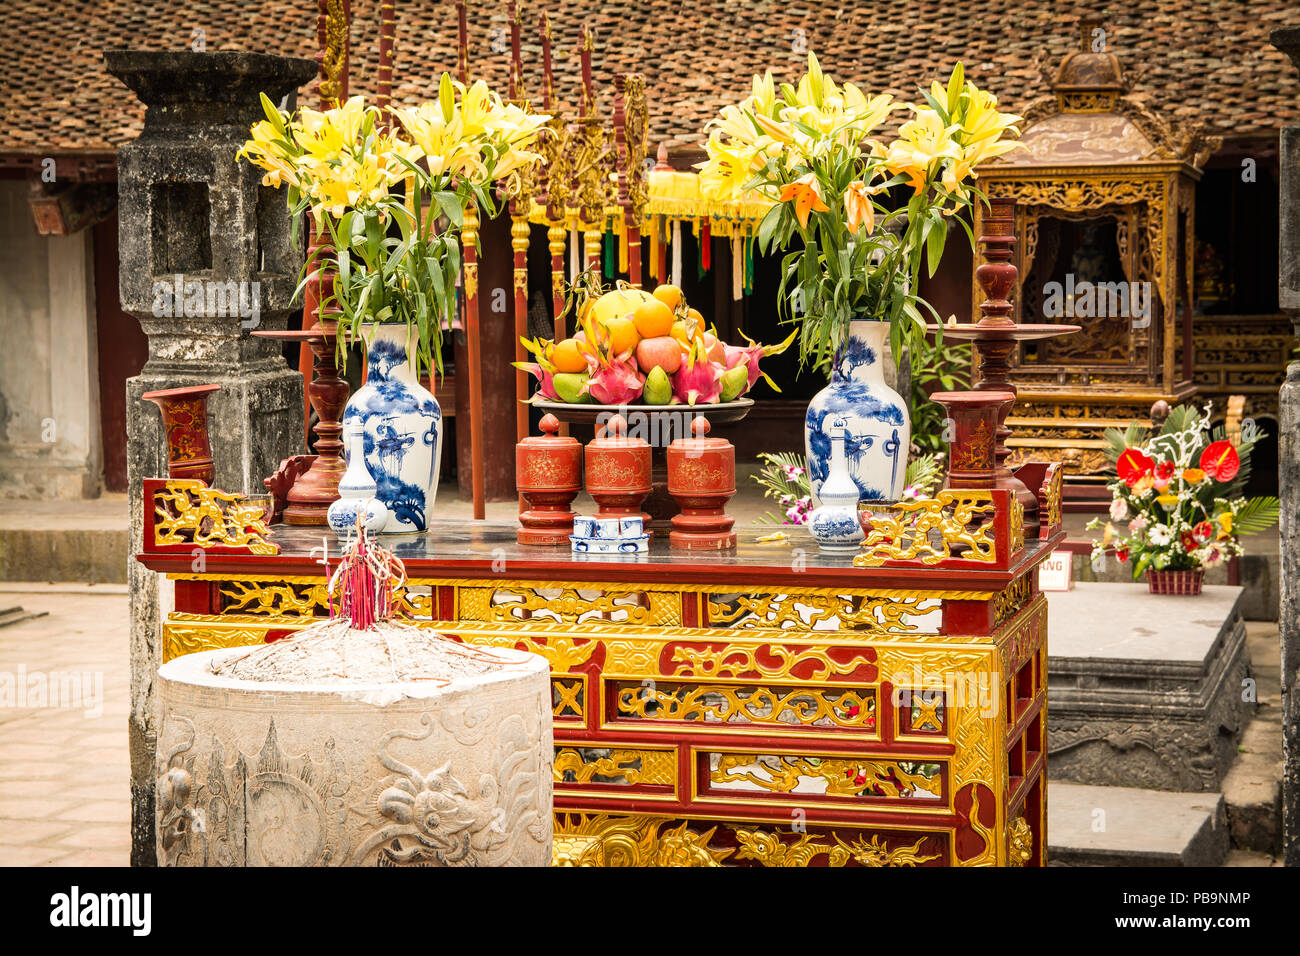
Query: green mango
[734, 382]
[658, 387]
[568, 385]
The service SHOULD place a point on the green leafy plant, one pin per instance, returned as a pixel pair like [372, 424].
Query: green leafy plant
[935, 367]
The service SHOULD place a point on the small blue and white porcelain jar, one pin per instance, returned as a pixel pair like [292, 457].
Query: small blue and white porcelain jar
[357, 489]
[402, 425]
[834, 523]
[879, 429]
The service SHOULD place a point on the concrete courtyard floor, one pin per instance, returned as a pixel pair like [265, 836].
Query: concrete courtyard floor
[65, 772]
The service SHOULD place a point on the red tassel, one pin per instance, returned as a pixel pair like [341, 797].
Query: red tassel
[705, 246]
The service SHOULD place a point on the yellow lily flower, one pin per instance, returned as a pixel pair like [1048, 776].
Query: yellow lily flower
[762, 101]
[805, 192]
[858, 209]
[724, 174]
[922, 144]
[1167, 500]
[1225, 525]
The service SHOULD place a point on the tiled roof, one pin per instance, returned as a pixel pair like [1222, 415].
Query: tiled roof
[1207, 60]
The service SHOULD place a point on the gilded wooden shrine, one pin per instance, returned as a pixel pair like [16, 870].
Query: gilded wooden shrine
[772, 706]
[1104, 192]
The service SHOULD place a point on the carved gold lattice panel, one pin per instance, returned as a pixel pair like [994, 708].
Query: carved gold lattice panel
[565, 652]
[825, 776]
[622, 766]
[187, 512]
[568, 697]
[308, 597]
[789, 707]
[774, 848]
[956, 522]
[1009, 602]
[190, 633]
[571, 604]
[826, 610]
[601, 840]
[604, 840]
[925, 712]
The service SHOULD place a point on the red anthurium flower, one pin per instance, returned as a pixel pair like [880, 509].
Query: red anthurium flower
[1121, 554]
[1133, 466]
[1220, 461]
[1203, 531]
[1165, 470]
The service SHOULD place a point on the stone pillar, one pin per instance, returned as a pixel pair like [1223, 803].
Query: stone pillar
[205, 257]
[1288, 293]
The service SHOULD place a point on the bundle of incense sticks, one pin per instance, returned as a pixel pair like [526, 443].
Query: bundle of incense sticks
[365, 579]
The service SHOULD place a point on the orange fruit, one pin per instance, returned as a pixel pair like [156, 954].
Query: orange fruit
[567, 358]
[669, 295]
[653, 319]
[622, 335]
[695, 314]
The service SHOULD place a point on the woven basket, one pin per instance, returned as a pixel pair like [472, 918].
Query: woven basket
[1175, 582]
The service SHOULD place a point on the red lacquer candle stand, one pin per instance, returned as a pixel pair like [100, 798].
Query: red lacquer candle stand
[548, 473]
[185, 417]
[972, 451]
[318, 487]
[996, 336]
[702, 478]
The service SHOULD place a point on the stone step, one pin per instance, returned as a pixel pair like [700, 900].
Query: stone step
[91, 556]
[87, 541]
[15, 615]
[1252, 788]
[1250, 858]
[1125, 826]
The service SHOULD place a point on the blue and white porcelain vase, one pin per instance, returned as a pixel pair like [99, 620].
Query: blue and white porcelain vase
[834, 523]
[879, 428]
[401, 430]
[357, 490]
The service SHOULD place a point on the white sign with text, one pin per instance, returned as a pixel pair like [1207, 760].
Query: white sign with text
[1056, 573]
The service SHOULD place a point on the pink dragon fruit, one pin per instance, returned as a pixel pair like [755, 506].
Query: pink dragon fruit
[698, 381]
[751, 354]
[617, 384]
[614, 379]
[543, 369]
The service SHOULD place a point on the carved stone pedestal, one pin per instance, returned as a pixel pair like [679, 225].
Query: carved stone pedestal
[1144, 690]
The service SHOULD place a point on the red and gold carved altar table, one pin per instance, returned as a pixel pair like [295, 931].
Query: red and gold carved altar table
[768, 706]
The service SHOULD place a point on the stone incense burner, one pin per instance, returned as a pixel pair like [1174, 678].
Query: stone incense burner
[338, 747]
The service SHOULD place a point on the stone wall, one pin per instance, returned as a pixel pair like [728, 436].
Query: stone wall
[49, 381]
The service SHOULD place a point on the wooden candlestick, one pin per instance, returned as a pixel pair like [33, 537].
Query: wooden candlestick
[308, 501]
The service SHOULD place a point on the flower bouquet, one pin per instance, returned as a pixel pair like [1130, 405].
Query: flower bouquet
[391, 201]
[809, 148]
[856, 217]
[1177, 496]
